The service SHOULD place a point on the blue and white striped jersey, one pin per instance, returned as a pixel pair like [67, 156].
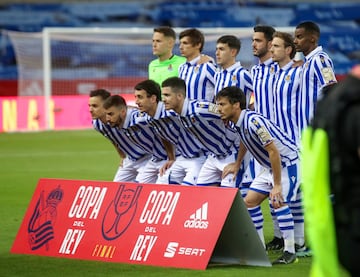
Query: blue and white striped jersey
[263, 76]
[256, 131]
[287, 100]
[171, 129]
[120, 136]
[199, 79]
[207, 126]
[236, 75]
[317, 72]
[144, 136]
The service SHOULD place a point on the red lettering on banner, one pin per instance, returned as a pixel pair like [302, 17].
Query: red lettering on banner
[143, 243]
[159, 204]
[71, 241]
[87, 198]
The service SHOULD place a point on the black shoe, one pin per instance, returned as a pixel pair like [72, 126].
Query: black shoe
[286, 258]
[302, 251]
[275, 244]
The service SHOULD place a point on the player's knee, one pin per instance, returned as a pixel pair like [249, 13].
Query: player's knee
[251, 202]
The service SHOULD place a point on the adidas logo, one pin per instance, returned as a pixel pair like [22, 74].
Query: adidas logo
[198, 220]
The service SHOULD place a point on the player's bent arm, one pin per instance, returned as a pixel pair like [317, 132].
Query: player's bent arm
[169, 149]
[234, 167]
[276, 192]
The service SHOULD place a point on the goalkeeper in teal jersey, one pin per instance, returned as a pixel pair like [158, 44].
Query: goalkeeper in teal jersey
[167, 64]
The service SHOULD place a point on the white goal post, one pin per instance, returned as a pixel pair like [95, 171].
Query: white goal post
[72, 61]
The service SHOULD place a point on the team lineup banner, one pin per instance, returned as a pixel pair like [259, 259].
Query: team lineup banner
[161, 225]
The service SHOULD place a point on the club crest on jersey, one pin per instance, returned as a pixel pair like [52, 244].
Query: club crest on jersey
[170, 67]
[255, 122]
[287, 78]
[196, 69]
[272, 70]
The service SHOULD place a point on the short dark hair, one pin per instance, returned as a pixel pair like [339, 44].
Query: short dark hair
[288, 41]
[102, 93]
[196, 37]
[176, 84]
[234, 95]
[232, 41]
[166, 31]
[151, 88]
[114, 101]
[310, 27]
[266, 29]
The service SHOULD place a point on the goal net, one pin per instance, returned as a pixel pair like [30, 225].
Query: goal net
[74, 61]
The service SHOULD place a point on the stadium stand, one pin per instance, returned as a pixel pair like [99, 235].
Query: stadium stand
[339, 21]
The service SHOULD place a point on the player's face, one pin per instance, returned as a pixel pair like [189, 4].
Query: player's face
[96, 107]
[225, 108]
[304, 42]
[225, 56]
[161, 45]
[188, 50]
[143, 101]
[115, 116]
[170, 99]
[260, 45]
[278, 50]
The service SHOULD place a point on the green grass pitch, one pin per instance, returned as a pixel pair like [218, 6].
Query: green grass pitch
[27, 157]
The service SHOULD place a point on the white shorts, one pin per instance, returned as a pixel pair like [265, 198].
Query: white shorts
[210, 173]
[290, 182]
[184, 171]
[130, 169]
[149, 174]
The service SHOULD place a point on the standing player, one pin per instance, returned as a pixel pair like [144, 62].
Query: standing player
[287, 100]
[147, 98]
[317, 70]
[287, 85]
[120, 117]
[199, 78]
[278, 155]
[263, 73]
[186, 168]
[231, 72]
[167, 64]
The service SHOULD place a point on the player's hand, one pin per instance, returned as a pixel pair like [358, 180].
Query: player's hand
[276, 197]
[165, 167]
[230, 168]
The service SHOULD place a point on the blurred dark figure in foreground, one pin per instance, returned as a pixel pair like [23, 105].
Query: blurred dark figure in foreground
[331, 165]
